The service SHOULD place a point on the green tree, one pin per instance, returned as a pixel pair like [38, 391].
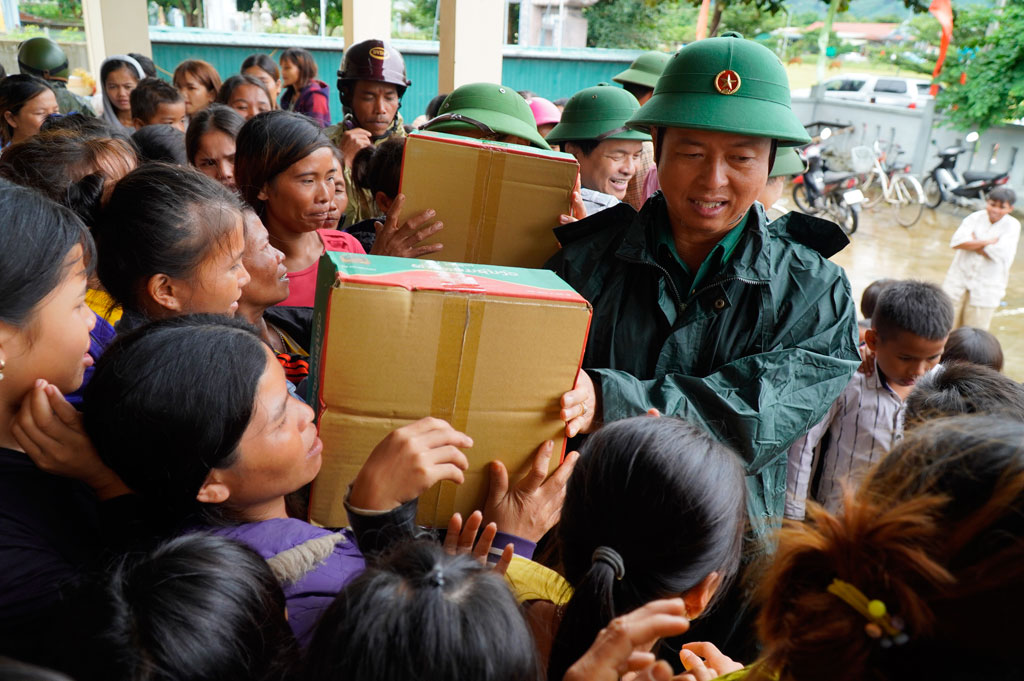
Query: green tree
[639, 24]
[991, 54]
[283, 9]
[192, 9]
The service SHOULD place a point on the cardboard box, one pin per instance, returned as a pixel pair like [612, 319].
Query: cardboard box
[488, 349]
[499, 202]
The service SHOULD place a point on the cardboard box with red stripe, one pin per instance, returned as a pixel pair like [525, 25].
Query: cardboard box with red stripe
[489, 349]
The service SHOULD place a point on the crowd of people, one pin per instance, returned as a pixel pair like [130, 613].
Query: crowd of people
[753, 489]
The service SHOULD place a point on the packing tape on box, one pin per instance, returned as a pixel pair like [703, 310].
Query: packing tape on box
[454, 374]
[485, 207]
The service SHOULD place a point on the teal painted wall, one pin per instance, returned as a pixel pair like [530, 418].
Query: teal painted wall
[543, 70]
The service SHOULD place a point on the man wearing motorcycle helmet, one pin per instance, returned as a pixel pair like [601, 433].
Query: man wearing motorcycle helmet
[371, 83]
[44, 58]
[702, 310]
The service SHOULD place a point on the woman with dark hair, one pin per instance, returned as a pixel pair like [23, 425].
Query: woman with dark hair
[78, 170]
[267, 287]
[49, 525]
[378, 170]
[196, 607]
[261, 66]
[420, 613]
[977, 346]
[217, 442]
[118, 77]
[198, 82]
[170, 241]
[246, 95]
[285, 168]
[303, 93]
[210, 143]
[923, 565]
[654, 509]
[25, 102]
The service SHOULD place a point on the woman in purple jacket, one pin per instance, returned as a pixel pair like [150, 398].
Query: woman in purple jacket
[303, 92]
[194, 414]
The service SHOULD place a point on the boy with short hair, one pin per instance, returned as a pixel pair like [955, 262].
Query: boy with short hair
[985, 245]
[908, 331]
[155, 101]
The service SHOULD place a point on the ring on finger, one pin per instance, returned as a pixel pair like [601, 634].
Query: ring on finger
[583, 409]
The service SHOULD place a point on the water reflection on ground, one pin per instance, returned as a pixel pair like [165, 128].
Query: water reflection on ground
[881, 248]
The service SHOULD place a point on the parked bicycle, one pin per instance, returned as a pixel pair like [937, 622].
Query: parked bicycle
[891, 183]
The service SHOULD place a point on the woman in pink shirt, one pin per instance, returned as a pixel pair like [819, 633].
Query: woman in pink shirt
[284, 169]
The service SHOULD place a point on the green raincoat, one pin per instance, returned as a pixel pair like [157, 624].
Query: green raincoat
[755, 355]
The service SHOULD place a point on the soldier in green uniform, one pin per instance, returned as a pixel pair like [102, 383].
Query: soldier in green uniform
[703, 310]
[44, 58]
[371, 83]
[488, 111]
[593, 129]
[639, 80]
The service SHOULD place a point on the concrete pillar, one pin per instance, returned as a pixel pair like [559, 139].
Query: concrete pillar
[115, 27]
[365, 19]
[471, 42]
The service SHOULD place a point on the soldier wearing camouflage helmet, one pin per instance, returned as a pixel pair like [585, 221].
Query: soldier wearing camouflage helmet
[371, 83]
[44, 58]
[488, 111]
[702, 310]
[593, 129]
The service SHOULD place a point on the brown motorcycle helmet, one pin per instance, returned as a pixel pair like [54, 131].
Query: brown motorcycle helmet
[373, 60]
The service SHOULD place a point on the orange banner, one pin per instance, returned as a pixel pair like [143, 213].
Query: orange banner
[943, 11]
[702, 19]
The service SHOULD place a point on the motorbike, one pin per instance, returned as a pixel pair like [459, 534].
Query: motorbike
[946, 183]
[820, 191]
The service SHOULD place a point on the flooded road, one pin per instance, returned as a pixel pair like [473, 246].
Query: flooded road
[881, 248]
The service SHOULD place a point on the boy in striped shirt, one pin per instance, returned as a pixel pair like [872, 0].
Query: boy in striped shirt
[908, 332]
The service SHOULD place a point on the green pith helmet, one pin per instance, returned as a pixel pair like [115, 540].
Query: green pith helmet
[42, 57]
[726, 84]
[494, 109]
[644, 70]
[598, 113]
[787, 162]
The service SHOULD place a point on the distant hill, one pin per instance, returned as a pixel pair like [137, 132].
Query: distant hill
[870, 10]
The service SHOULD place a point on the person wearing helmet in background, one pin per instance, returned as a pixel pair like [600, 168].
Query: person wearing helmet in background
[488, 111]
[44, 58]
[545, 114]
[787, 163]
[639, 80]
[702, 310]
[593, 129]
[371, 83]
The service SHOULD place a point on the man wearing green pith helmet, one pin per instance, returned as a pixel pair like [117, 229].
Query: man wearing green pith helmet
[639, 80]
[488, 111]
[593, 129]
[702, 310]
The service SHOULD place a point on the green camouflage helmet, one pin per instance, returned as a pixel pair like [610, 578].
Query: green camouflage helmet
[493, 109]
[42, 57]
[644, 70]
[598, 113]
[726, 84]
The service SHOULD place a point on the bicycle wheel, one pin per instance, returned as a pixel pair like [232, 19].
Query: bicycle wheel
[873, 189]
[803, 202]
[843, 214]
[932, 192]
[908, 199]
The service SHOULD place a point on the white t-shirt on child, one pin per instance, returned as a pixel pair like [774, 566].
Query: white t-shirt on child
[984, 278]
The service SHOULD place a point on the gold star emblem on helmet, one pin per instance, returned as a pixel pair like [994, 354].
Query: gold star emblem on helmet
[728, 82]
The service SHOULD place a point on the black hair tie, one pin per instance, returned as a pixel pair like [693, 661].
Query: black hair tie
[610, 557]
